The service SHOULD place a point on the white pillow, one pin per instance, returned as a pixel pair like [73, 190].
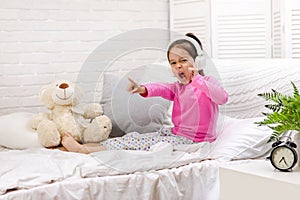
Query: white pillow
[241, 139]
[257, 76]
[132, 112]
[15, 132]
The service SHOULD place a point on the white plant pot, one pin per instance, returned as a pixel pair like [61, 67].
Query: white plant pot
[297, 141]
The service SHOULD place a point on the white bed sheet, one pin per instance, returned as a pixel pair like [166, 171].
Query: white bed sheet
[198, 180]
[162, 173]
[42, 174]
[192, 181]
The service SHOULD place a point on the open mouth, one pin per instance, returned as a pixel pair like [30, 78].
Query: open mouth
[181, 75]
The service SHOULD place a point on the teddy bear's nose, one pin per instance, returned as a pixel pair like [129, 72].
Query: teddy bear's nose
[63, 86]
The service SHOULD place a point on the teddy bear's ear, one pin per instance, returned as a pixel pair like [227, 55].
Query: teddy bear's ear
[46, 97]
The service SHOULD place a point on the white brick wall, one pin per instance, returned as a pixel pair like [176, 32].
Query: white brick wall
[42, 40]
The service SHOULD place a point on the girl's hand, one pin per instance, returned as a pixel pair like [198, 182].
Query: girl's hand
[133, 87]
[193, 71]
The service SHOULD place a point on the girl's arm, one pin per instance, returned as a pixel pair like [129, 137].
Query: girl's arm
[212, 88]
[133, 87]
[163, 90]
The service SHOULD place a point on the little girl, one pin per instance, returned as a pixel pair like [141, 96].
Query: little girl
[195, 103]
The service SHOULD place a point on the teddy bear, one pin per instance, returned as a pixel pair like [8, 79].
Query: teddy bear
[85, 122]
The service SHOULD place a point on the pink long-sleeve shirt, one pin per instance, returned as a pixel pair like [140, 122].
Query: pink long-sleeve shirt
[195, 106]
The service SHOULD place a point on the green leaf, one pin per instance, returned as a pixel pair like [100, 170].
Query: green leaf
[296, 91]
[285, 113]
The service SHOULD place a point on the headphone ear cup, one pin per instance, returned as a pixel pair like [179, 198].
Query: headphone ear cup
[200, 62]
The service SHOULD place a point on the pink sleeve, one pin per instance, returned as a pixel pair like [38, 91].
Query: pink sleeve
[212, 88]
[164, 90]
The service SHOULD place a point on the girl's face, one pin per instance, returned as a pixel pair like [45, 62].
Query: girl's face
[180, 61]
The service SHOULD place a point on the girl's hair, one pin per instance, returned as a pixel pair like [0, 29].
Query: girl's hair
[188, 46]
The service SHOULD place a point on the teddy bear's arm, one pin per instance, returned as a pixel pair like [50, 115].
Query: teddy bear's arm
[92, 110]
[36, 120]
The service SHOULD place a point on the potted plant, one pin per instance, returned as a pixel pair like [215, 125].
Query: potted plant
[285, 115]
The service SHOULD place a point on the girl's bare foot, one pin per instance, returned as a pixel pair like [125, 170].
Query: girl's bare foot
[72, 145]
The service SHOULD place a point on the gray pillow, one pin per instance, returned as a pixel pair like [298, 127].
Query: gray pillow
[131, 112]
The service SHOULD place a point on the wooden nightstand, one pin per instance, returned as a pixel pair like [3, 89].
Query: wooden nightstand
[258, 180]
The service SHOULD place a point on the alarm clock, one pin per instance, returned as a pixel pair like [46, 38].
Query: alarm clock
[284, 155]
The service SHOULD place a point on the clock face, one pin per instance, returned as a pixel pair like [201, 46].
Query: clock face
[283, 158]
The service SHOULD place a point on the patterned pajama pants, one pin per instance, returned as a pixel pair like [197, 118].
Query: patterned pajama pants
[137, 141]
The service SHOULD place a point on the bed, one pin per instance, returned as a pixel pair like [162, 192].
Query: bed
[165, 172]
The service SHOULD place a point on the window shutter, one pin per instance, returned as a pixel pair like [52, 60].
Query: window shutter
[241, 29]
[192, 16]
[292, 28]
[277, 29]
[295, 32]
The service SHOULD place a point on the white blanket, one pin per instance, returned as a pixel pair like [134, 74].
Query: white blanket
[193, 181]
[23, 169]
[161, 156]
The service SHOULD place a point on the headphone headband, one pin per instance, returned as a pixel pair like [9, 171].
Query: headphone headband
[191, 40]
[200, 58]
